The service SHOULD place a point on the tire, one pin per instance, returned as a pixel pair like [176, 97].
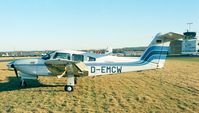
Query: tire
[68, 88]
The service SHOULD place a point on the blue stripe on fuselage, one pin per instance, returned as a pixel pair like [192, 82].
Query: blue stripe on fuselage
[137, 63]
[152, 53]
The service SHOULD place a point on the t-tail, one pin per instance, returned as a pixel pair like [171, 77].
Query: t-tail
[157, 50]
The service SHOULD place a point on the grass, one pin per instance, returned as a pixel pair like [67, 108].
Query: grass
[8, 59]
[192, 59]
[174, 88]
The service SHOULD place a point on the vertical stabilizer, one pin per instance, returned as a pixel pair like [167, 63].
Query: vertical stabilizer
[157, 50]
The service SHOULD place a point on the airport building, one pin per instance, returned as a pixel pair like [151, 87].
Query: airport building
[187, 46]
[175, 47]
[190, 44]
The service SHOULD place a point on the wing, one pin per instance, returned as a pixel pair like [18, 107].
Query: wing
[58, 67]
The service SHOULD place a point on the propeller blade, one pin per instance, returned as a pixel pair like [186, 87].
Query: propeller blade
[16, 73]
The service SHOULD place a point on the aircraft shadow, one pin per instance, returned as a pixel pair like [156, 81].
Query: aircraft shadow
[13, 83]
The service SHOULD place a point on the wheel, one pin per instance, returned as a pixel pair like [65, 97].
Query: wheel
[23, 83]
[68, 88]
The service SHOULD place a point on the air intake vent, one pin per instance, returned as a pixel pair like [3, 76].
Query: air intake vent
[158, 41]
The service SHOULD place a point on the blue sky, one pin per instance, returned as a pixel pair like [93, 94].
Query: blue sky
[87, 24]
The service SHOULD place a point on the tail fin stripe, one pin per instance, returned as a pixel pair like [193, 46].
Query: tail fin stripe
[154, 53]
[155, 57]
[151, 58]
[153, 48]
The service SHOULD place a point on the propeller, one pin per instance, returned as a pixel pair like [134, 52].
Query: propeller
[16, 73]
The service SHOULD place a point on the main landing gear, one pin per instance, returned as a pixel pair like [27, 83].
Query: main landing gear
[71, 81]
[68, 88]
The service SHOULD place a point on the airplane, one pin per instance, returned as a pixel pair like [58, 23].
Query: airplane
[74, 64]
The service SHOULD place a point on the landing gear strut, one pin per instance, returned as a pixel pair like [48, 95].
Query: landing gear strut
[24, 77]
[71, 81]
[23, 83]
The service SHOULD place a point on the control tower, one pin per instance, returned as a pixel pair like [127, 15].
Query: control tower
[190, 44]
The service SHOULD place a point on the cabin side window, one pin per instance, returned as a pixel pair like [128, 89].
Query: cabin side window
[91, 59]
[76, 57]
[62, 56]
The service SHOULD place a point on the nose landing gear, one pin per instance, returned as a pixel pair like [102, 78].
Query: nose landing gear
[24, 77]
[23, 83]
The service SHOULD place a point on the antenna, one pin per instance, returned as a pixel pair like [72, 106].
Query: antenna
[189, 24]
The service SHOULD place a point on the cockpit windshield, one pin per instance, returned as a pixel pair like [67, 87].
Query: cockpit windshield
[62, 56]
[47, 55]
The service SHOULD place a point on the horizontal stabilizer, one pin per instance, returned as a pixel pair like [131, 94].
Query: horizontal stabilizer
[171, 36]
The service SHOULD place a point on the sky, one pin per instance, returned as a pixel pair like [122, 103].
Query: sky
[91, 24]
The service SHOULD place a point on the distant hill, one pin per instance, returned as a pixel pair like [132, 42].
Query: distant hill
[39, 53]
[118, 50]
[121, 50]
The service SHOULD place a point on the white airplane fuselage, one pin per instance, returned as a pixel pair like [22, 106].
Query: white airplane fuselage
[37, 67]
[78, 64]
